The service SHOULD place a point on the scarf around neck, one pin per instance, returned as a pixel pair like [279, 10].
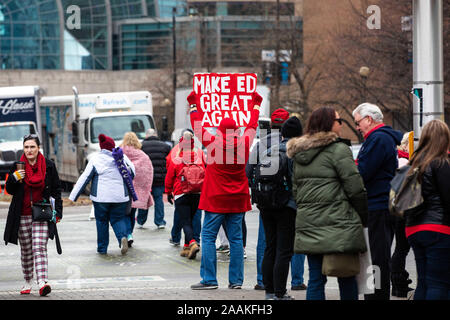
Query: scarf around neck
[35, 174]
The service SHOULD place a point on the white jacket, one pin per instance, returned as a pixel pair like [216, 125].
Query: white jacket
[107, 183]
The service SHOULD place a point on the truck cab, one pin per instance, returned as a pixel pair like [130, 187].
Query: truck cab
[19, 109]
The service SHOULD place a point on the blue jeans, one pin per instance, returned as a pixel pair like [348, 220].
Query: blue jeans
[157, 193]
[142, 216]
[113, 213]
[210, 229]
[196, 225]
[432, 254]
[297, 261]
[297, 269]
[348, 287]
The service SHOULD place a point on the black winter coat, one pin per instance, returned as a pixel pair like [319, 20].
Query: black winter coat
[436, 195]
[16, 189]
[157, 151]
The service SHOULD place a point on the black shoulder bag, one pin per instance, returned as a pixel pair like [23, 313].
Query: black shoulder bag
[43, 212]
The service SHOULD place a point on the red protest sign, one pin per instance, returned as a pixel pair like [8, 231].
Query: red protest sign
[225, 95]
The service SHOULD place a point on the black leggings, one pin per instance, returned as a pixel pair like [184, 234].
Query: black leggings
[187, 206]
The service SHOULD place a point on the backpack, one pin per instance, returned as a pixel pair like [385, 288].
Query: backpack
[271, 189]
[191, 178]
[405, 196]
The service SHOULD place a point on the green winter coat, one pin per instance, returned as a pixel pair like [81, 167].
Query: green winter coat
[330, 196]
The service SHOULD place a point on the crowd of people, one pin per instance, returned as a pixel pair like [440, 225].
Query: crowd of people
[314, 201]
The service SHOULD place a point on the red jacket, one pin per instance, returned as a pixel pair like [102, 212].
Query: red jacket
[225, 188]
[178, 160]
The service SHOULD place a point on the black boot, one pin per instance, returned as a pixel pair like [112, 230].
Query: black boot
[400, 284]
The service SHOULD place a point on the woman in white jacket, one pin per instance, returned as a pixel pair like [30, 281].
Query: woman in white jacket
[109, 194]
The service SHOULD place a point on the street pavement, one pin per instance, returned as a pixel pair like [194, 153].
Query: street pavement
[151, 270]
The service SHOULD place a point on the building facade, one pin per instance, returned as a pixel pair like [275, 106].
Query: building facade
[135, 34]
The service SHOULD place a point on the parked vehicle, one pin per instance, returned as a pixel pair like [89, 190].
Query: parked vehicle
[19, 116]
[72, 124]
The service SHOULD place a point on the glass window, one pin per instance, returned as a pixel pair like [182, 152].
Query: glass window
[15, 132]
[116, 127]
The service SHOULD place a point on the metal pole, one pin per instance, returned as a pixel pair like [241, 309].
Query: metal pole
[428, 65]
[174, 61]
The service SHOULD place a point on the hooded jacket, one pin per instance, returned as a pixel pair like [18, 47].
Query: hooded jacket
[377, 164]
[181, 158]
[225, 188]
[330, 196]
[107, 183]
[143, 179]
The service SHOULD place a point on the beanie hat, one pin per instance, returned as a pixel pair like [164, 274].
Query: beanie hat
[227, 123]
[106, 142]
[292, 128]
[279, 116]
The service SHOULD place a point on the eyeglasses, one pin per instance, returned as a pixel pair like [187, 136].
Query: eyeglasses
[339, 120]
[357, 122]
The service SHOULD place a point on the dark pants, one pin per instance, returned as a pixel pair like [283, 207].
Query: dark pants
[279, 229]
[432, 254]
[114, 213]
[348, 287]
[399, 274]
[381, 233]
[187, 206]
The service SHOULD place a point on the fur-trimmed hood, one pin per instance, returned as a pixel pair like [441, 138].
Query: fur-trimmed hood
[307, 147]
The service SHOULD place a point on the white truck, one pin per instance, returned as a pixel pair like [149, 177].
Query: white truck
[19, 116]
[72, 124]
[182, 120]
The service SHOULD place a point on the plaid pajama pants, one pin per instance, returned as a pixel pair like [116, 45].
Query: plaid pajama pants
[33, 238]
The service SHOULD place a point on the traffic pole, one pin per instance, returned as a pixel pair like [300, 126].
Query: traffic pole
[428, 63]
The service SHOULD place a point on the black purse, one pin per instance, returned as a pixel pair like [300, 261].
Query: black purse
[40, 211]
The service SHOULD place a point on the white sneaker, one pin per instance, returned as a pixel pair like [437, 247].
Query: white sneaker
[26, 288]
[124, 245]
[139, 226]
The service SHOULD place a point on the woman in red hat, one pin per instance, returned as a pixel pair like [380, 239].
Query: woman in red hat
[225, 194]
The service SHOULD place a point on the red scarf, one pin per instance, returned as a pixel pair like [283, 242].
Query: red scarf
[35, 174]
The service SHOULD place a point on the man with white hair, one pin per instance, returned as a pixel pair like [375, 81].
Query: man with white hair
[377, 162]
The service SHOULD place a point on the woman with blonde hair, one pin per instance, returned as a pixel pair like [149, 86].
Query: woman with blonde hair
[428, 232]
[142, 181]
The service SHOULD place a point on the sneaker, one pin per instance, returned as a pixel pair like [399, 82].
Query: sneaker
[175, 244]
[26, 289]
[130, 240]
[270, 296]
[193, 249]
[284, 297]
[162, 226]
[204, 286]
[259, 287]
[139, 226]
[223, 249]
[185, 252]
[44, 289]
[300, 287]
[234, 286]
[124, 245]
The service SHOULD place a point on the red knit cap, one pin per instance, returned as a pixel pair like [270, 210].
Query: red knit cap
[106, 142]
[227, 124]
[279, 116]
